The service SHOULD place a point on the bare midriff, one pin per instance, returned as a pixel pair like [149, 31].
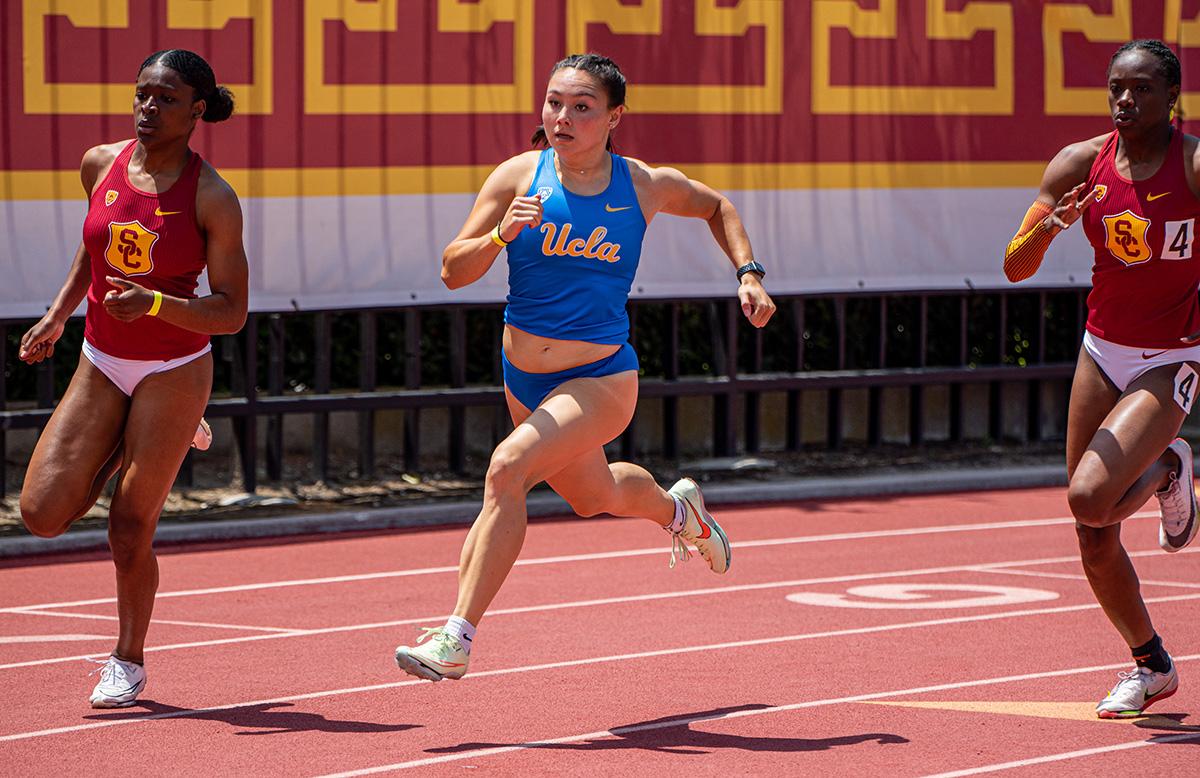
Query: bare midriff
[536, 354]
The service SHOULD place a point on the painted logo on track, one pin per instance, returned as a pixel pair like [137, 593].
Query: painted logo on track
[915, 596]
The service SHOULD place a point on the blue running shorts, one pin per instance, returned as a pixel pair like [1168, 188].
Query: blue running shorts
[531, 388]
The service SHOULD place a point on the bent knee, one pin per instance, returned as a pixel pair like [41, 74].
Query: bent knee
[42, 521]
[1090, 507]
[506, 471]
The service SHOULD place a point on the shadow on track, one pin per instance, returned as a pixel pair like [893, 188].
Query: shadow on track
[259, 719]
[673, 735]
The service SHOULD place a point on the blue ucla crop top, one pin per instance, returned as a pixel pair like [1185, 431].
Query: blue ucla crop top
[570, 277]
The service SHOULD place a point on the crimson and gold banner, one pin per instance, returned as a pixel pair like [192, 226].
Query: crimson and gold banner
[867, 143]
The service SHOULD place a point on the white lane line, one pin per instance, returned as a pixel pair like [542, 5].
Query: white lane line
[578, 604]
[573, 558]
[50, 638]
[993, 768]
[1082, 577]
[620, 731]
[639, 656]
[241, 627]
[989, 567]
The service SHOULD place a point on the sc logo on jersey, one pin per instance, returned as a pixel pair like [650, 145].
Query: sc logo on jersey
[129, 247]
[1126, 237]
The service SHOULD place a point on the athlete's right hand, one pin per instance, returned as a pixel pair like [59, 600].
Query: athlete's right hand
[522, 212]
[1070, 208]
[38, 343]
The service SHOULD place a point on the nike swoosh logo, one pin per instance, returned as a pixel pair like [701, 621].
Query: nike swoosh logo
[1154, 354]
[1152, 198]
[610, 209]
[705, 531]
[160, 212]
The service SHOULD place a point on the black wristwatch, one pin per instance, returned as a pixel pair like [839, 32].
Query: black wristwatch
[751, 267]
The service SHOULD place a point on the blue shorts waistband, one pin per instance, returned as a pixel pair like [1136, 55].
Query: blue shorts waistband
[531, 389]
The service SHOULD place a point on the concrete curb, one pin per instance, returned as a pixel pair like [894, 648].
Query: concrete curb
[540, 505]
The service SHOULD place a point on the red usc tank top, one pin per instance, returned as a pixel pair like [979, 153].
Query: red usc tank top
[152, 240]
[1147, 266]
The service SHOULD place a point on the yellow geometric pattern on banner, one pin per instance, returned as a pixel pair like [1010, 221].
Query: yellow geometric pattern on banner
[452, 16]
[1126, 237]
[43, 97]
[712, 19]
[940, 24]
[1179, 32]
[1116, 27]
[129, 248]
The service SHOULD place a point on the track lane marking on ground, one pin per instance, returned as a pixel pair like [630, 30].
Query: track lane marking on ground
[874, 534]
[243, 627]
[639, 656]
[1082, 577]
[986, 567]
[684, 721]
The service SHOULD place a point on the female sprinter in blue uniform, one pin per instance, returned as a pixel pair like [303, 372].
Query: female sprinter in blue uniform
[572, 217]
[1136, 191]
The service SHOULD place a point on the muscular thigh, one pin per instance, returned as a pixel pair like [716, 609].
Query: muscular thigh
[83, 432]
[573, 423]
[1129, 434]
[165, 410]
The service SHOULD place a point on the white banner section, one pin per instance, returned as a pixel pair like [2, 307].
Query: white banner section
[382, 251]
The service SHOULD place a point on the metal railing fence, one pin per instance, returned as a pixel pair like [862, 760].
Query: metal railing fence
[447, 357]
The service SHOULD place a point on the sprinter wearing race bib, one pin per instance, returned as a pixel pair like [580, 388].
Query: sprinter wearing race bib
[1137, 192]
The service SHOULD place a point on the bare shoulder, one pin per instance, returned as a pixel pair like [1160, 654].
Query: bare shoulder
[647, 175]
[1081, 155]
[214, 195]
[97, 161]
[1191, 146]
[1070, 167]
[514, 174]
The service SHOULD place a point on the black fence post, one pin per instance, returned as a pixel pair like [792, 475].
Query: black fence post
[322, 384]
[367, 339]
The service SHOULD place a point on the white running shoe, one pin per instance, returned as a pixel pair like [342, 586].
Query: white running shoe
[203, 437]
[699, 528]
[442, 657]
[1136, 691]
[120, 683]
[1177, 503]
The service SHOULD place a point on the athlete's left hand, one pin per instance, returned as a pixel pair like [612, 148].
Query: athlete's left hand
[1192, 339]
[128, 301]
[756, 303]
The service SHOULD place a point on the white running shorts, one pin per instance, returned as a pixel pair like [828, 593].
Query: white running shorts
[1123, 364]
[128, 373]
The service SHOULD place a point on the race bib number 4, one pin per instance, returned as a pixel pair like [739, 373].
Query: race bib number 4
[1177, 240]
[1185, 387]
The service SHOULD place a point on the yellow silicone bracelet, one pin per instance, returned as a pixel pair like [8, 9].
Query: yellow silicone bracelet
[499, 241]
[156, 304]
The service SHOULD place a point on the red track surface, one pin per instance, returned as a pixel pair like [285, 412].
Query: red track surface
[596, 659]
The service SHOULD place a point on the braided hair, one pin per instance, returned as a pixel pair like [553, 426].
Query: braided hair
[1168, 63]
[196, 73]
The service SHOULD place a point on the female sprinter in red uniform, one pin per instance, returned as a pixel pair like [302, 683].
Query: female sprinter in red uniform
[158, 215]
[572, 217]
[1137, 192]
